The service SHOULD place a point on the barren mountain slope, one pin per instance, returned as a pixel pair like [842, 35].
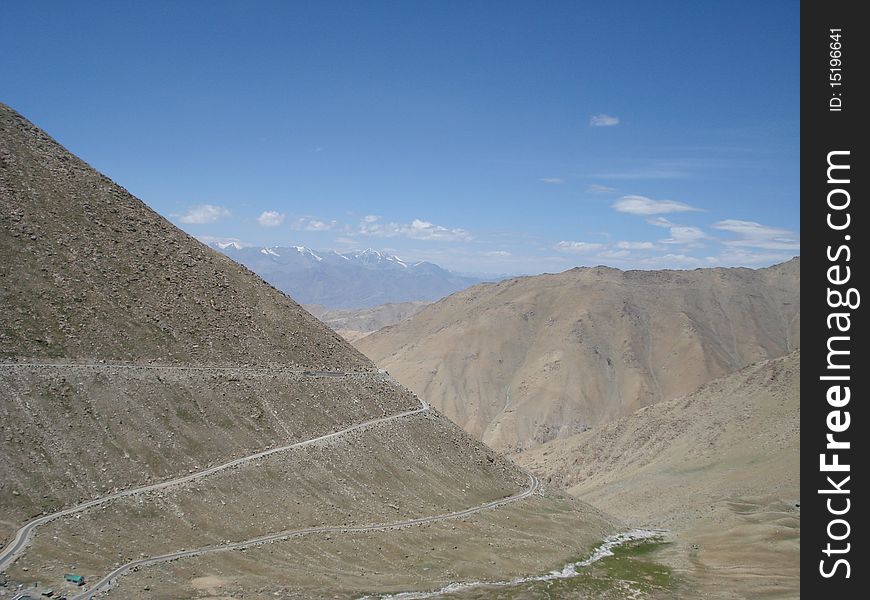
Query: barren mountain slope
[524, 361]
[90, 271]
[134, 355]
[719, 467]
[355, 324]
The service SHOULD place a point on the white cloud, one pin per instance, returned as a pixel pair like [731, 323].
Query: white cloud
[204, 213]
[687, 235]
[313, 224]
[641, 205]
[740, 257]
[614, 254]
[498, 253]
[596, 188]
[603, 120]
[553, 180]
[318, 225]
[224, 242]
[417, 229]
[270, 218]
[579, 247]
[756, 235]
[635, 245]
[661, 222]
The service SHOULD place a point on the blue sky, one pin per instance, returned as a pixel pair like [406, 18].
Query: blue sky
[490, 137]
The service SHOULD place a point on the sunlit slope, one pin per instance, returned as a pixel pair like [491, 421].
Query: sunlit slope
[133, 355]
[720, 467]
[527, 360]
[89, 271]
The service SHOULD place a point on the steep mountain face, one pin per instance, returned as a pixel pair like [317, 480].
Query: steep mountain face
[133, 355]
[527, 360]
[720, 467]
[349, 280]
[89, 271]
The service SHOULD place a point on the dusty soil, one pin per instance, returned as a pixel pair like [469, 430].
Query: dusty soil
[73, 434]
[531, 359]
[527, 537]
[89, 273]
[720, 468]
[353, 325]
[418, 466]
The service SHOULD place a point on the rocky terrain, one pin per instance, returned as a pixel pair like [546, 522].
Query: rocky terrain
[72, 434]
[719, 467]
[130, 353]
[90, 271]
[355, 324]
[346, 280]
[524, 361]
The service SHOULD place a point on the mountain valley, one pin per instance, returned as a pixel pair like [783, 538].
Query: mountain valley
[172, 419]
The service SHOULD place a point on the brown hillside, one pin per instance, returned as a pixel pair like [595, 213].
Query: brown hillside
[132, 354]
[89, 271]
[527, 360]
[355, 324]
[720, 468]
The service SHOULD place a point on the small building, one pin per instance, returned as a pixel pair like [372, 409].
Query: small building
[73, 578]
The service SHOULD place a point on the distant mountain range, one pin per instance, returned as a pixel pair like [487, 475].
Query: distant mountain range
[359, 279]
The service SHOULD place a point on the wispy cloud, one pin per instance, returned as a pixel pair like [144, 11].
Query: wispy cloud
[614, 254]
[655, 168]
[579, 247]
[603, 120]
[741, 257]
[313, 224]
[661, 222]
[270, 218]
[498, 253]
[417, 229]
[595, 188]
[202, 214]
[552, 180]
[687, 235]
[755, 235]
[635, 245]
[641, 205]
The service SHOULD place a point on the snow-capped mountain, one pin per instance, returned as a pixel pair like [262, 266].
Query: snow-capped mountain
[358, 279]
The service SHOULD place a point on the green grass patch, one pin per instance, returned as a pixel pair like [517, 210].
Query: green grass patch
[642, 574]
[631, 572]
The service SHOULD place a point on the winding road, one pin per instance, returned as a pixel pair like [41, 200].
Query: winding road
[25, 533]
[158, 367]
[106, 582]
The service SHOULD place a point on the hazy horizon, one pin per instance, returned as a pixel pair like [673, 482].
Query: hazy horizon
[485, 140]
